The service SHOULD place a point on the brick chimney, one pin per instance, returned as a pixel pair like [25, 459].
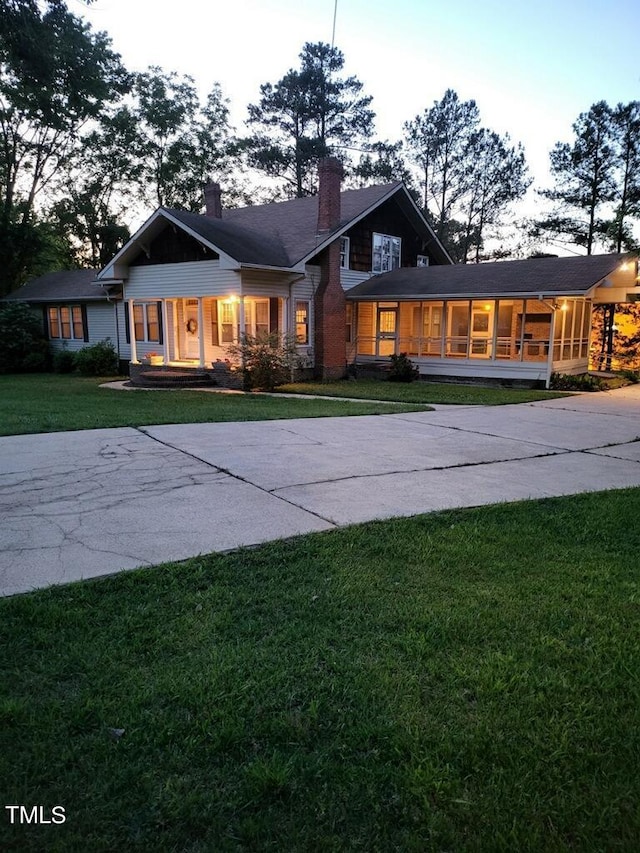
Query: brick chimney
[213, 200]
[330, 174]
[330, 307]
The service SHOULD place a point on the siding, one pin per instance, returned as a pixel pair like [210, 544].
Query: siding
[191, 279]
[349, 278]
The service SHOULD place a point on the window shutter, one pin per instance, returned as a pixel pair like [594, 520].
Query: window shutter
[45, 322]
[127, 328]
[215, 338]
[85, 323]
[273, 314]
[160, 329]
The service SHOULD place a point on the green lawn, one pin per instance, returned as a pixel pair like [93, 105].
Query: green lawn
[50, 403]
[460, 681]
[421, 392]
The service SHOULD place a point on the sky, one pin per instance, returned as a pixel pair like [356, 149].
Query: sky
[532, 67]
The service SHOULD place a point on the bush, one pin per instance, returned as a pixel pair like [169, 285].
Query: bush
[24, 348]
[580, 382]
[101, 359]
[402, 369]
[267, 360]
[633, 376]
[64, 361]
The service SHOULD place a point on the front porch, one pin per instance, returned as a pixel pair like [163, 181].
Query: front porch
[195, 333]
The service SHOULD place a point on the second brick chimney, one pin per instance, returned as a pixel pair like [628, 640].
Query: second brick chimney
[330, 305]
[213, 200]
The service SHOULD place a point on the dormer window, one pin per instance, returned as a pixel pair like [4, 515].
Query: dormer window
[422, 261]
[344, 253]
[386, 253]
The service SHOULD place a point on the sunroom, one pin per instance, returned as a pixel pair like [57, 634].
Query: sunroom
[524, 339]
[513, 320]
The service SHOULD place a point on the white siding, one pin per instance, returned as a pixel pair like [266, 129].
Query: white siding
[349, 278]
[195, 278]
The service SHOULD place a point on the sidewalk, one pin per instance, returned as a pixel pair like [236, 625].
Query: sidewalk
[82, 504]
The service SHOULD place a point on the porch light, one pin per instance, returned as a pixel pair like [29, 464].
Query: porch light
[487, 307]
[564, 306]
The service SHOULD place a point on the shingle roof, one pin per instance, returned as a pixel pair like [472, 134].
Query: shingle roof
[294, 224]
[246, 245]
[64, 285]
[549, 276]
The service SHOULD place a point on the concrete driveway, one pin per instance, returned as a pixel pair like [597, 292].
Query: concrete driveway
[82, 504]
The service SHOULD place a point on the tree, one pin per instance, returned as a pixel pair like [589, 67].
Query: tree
[55, 76]
[626, 129]
[497, 179]
[439, 143]
[308, 114]
[381, 162]
[468, 175]
[179, 142]
[584, 173]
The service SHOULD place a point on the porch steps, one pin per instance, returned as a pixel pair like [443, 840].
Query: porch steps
[172, 379]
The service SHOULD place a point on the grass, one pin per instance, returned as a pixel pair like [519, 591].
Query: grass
[421, 392]
[460, 681]
[50, 403]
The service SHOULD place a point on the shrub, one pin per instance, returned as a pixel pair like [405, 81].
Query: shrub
[101, 359]
[24, 348]
[580, 382]
[402, 369]
[633, 376]
[267, 360]
[64, 361]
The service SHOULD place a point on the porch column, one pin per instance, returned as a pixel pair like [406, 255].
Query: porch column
[165, 331]
[552, 336]
[132, 334]
[241, 329]
[201, 330]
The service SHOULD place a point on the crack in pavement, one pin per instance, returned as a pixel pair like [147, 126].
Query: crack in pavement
[237, 477]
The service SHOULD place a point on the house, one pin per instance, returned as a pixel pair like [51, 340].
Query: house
[353, 276]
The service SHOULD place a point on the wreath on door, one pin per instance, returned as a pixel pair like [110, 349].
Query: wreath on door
[192, 326]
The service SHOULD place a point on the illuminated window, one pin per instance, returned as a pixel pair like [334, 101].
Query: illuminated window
[227, 319]
[146, 322]
[67, 322]
[386, 253]
[54, 323]
[302, 322]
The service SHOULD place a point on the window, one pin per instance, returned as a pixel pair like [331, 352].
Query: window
[386, 253]
[344, 253]
[349, 319]
[302, 322]
[146, 322]
[227, 320]
[68, 323]
[422, 261]
[54, 323]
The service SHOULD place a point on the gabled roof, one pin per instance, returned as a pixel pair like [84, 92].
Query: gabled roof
[281, 234]
[294, 223]
[63, 286]
[533, 277]
[244, 244]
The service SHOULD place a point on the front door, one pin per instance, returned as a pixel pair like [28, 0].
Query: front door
[192, 332]
[387, 325]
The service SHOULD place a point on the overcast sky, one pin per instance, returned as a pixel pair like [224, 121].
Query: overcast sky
[532, 66]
